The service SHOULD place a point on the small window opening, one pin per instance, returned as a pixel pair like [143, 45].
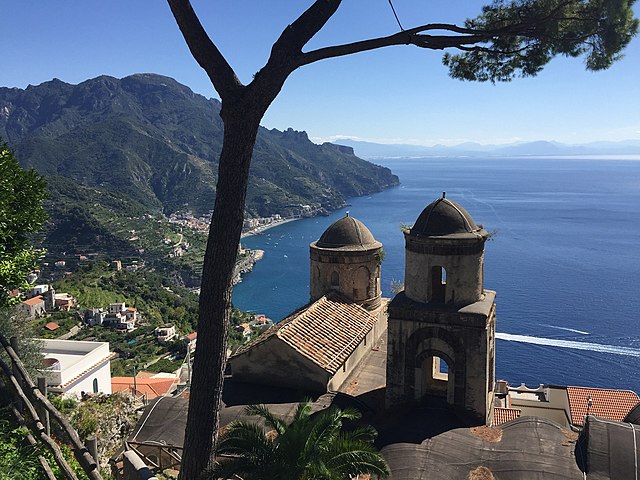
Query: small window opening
[335, 279]
[95, 385]
[438, 284]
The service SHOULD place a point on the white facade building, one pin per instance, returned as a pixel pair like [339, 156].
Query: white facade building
[73, 367]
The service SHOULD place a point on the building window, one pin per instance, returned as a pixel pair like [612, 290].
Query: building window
[95, 385]
[438, 284]
[335, 279]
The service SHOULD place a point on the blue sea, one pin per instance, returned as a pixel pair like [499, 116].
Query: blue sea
[563, 259]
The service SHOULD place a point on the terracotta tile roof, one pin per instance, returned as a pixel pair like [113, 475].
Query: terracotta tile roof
[503, 415]
[151, 387]
[326, 331]
[34, 301]
[608, 404]
[191, 336]
[51, 326]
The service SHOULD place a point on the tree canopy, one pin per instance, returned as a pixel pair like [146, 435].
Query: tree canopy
[508, 39]
[309, 447]
[21, 214]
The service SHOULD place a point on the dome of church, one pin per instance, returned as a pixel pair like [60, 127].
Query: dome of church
[348, 233]
[444, 217]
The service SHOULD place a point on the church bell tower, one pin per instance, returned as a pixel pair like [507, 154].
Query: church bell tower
[444, 316]
[346, 258]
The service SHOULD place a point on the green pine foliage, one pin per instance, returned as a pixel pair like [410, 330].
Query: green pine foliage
[525, 35]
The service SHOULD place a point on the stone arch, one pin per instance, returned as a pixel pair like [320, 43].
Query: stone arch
[430, 340]
[427, 383]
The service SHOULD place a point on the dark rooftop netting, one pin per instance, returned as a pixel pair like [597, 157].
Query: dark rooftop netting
[529, 448]
[163, 421]
[634, 415]
[611, 449]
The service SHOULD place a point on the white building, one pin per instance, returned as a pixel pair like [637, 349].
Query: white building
[118, 307]
[73, 367]
[39, 289]
[165, 333]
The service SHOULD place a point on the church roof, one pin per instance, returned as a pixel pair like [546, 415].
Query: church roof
[348, 233]
[326, 331]
[445, 217]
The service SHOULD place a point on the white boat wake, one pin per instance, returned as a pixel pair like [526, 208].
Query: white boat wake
[552, 342]
[566, 329]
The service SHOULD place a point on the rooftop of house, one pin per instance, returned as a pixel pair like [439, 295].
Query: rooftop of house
[605, 403]
[34, 301]
[502, 415]
[151, 387]
[70, 352]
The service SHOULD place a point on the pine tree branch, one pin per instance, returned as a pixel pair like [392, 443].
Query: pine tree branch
[407, 37]
[203, 49]
[305, 27]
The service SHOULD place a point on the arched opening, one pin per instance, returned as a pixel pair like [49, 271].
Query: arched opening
[335, 279]
[95, 385]
[438, 284]
[435, 377]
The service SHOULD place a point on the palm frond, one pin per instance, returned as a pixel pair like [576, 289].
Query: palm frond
[365, 433]
[303, 410]
[269, 418]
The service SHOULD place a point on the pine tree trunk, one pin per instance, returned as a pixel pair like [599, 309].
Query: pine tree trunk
[240, 130]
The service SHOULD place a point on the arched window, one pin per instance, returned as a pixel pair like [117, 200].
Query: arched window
[95, 385]
[438, 284]
[335, 279]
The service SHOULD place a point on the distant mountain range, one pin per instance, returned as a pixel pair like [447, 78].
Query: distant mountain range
[377, 150]
[153, 141]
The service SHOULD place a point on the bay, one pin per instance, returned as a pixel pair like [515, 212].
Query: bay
[563, 259]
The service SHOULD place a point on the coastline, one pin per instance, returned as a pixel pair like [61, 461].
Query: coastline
[262, 228]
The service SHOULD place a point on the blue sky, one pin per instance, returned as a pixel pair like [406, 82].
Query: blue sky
[393, 95]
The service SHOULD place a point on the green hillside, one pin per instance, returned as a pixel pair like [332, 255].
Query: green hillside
[154, 142]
